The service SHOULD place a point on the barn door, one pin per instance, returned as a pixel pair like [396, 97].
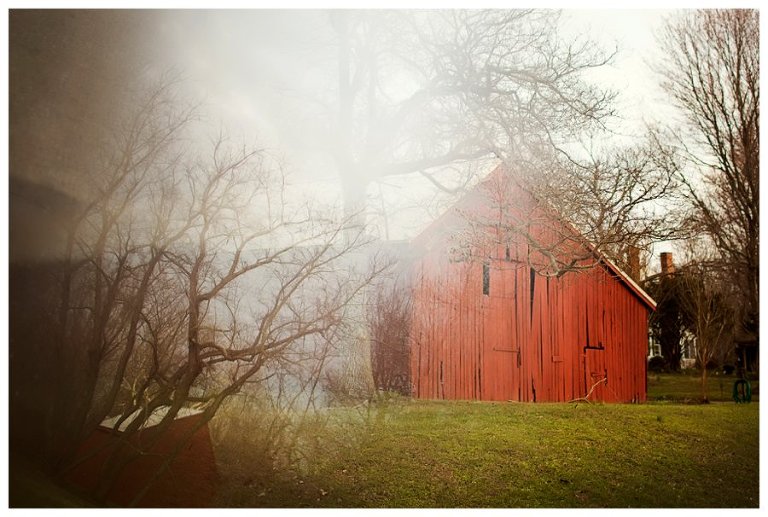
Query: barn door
[595, 374]
[502, 357]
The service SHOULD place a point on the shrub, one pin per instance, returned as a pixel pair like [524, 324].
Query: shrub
[656, 364]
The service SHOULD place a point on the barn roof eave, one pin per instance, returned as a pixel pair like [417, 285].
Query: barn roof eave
[631, 284]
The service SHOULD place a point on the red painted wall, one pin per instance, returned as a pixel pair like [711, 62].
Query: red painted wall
[531, 338]
[190, 481]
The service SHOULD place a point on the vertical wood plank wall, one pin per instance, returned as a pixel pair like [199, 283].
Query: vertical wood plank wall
[531, 338]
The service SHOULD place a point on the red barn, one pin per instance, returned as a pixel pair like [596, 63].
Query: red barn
[494, 318]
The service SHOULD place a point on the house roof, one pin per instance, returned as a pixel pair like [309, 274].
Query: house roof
[444, 220]
[154, 419]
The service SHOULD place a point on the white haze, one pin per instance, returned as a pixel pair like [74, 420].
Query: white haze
[264, 75]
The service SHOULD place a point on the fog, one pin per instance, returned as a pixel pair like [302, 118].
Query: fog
[271, 78]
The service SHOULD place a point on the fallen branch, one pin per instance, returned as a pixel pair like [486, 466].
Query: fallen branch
[586, 397]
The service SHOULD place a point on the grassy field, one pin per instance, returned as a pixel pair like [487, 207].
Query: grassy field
[669, 453]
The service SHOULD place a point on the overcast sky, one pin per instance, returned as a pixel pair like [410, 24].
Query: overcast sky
[632, 31]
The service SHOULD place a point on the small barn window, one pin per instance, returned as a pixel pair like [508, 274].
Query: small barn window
[533, 289]
[486, 278]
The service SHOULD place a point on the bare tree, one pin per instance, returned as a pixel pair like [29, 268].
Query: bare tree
[189, 275]
[420, 91]
[703, 298]
[711, 72]
[223, 339]
[572, 215]
[617, 200]
[106, 272]
[389, 320]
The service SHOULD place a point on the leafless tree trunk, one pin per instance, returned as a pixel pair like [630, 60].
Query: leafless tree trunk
[499, 84]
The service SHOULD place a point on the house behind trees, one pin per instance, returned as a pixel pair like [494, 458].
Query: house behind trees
[493, 319]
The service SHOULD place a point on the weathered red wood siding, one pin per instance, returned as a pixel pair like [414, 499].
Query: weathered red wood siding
[532, 338]
[573, 332]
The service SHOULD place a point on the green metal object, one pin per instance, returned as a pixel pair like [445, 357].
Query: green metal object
[742, 391]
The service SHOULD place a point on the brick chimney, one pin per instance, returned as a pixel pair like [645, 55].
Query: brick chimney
[667, 265]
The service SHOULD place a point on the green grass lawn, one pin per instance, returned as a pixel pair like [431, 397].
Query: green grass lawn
[471, 454]
[686, 387]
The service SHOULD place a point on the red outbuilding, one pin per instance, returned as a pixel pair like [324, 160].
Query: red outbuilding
[188, 482]
[495, 317]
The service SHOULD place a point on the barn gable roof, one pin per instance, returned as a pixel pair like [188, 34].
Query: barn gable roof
[436, 227]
